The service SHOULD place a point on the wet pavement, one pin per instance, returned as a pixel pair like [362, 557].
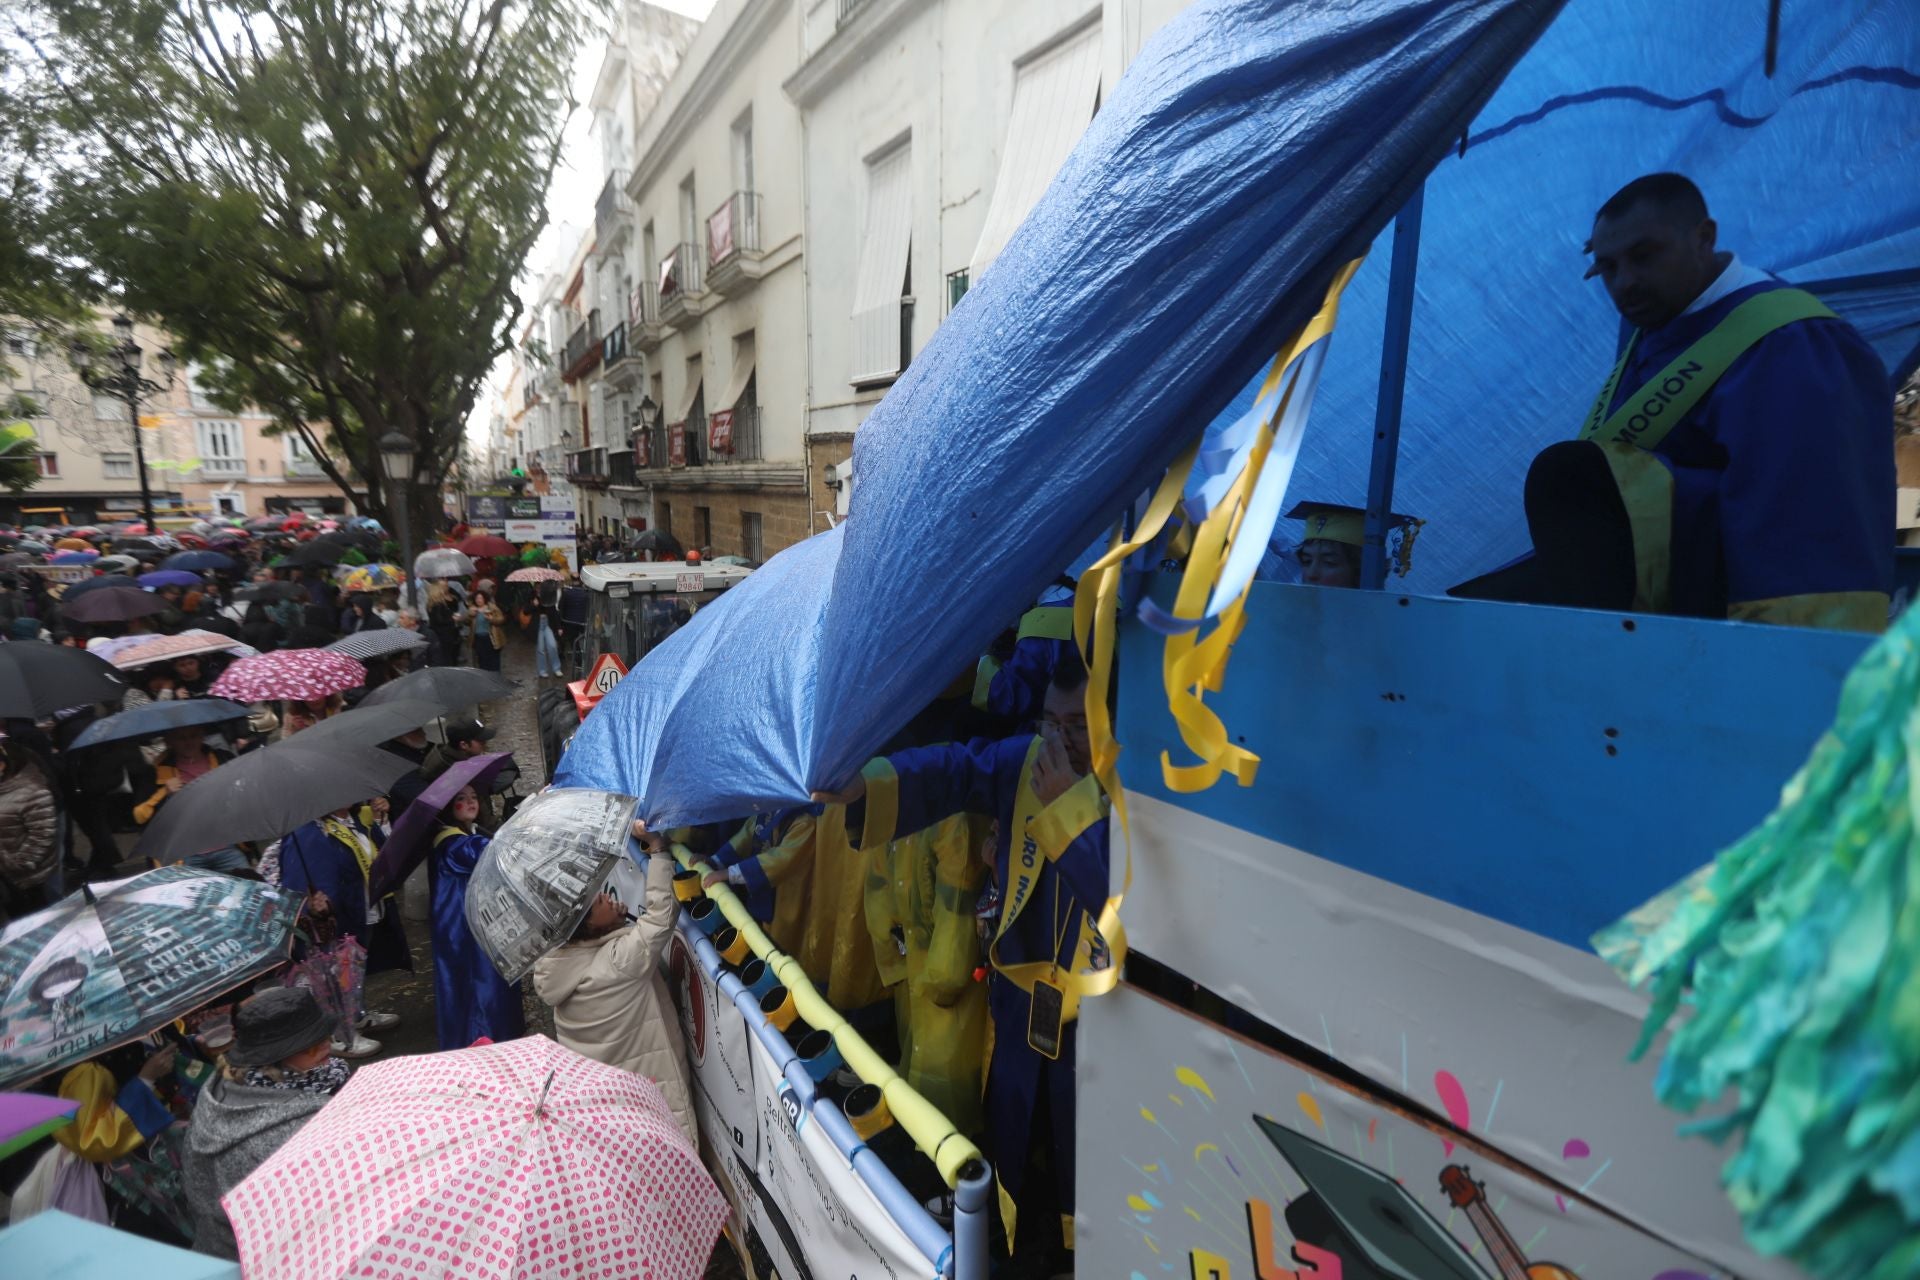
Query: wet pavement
[411, 994]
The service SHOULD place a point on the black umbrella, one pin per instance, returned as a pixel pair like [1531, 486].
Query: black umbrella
[141, 545]
[101, 583]
[447, 688]
[157, 717]
[372, 725]
[272, 591]
[37, 680]
[115, 604]
[659, 542]
[317, 552]
[264, 795]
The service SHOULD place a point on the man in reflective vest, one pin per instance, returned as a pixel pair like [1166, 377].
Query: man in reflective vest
[1738, 461]
[1044, 945]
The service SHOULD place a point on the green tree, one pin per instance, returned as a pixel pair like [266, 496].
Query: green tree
[328, 202]
[41, 291]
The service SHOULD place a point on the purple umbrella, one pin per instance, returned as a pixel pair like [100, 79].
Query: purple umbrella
[74, 557]
[169, 578]
[410, 839]
[25, 1118]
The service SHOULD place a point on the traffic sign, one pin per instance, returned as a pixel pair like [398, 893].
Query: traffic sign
[605, 673]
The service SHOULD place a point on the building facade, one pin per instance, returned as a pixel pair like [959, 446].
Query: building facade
[201, 460]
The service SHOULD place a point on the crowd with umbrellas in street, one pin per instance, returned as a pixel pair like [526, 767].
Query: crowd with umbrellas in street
[226, 749]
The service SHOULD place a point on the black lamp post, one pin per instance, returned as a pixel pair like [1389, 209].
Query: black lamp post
[117, 372]
[396, 458]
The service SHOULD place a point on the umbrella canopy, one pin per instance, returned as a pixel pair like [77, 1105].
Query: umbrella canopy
[198, 561]
[535, 575]
[369, 726]
[374, 577]
[540, 872]
[34, 545]
[412, 832]
[443, 562]
[25, 1118]
[144, 546]
[73, 557]
[192, 541]
[14, 559]
[116, 564]
[59, 1244]
[365, 645]
[449, 688]
[272, 591]
[660, 542]
[74, 544]
[487, 544]
[128, 652]
[320, 551]
[37, 680]
[169, 578]
[114, 604]
[265, 794]
[100, 583]
[289, 673]
[406, 1162]
[118, 959]
[156, 718]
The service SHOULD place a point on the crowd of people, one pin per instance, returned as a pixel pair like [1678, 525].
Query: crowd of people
[167, 1124]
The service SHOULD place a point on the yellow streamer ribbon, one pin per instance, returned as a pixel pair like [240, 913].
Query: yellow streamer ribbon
[1190, 663]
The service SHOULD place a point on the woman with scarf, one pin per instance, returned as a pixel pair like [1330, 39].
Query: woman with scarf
[470, 998]
[328, 859]
[279, 1072]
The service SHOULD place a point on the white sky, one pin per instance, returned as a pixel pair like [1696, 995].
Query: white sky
[576, 183]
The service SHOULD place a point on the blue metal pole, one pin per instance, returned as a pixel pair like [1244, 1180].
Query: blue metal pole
[970, 1223]
[1393, 388]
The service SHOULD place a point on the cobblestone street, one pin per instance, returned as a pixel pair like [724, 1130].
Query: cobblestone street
[411, 994]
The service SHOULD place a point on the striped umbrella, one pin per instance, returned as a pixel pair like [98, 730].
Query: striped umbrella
[368, 645]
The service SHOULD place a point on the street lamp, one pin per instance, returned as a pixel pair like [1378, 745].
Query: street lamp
[117, 372]
[396, 459]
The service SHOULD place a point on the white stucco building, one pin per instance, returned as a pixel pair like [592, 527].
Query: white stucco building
[931, 128]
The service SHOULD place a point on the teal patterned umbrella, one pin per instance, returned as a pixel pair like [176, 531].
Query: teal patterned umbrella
[119, 959]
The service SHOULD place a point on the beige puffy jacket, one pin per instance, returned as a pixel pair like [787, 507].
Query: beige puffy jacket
[611, 1002]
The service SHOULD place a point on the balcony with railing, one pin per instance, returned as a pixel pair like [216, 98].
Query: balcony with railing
[621, 468]
[583, 349]
[733, 435]
[621, 362]
[734, 255]
[682, 286]
[644, 330]
[301, 466]
[588, 468]
[612, 213]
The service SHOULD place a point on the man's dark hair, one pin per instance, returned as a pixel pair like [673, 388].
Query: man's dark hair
[1673, 194]
[1070, 673]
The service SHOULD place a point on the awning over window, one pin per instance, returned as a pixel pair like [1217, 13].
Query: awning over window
[1053, 99]
[883, 266]
[742, 375]
[687, 402]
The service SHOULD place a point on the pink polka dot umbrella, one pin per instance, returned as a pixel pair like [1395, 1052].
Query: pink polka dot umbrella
[289, 673]
[522, 1160]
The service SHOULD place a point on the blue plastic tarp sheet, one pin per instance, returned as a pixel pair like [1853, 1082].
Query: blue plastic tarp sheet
[1812, 173]
[1250, 149]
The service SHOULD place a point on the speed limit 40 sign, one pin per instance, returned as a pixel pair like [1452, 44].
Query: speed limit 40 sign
[606, 672]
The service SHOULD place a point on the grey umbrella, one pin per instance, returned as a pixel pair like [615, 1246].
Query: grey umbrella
[449, 688]
[265, 794]
[372, 725]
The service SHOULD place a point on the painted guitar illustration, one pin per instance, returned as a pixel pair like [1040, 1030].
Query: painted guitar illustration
[1470, 1198]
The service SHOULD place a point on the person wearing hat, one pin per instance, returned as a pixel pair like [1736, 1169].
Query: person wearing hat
[464, 740]
[279, 1072]
[1335, 536]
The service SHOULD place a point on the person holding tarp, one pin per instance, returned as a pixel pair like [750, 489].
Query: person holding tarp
[1738, 461]
[767, 861]
[1045, 950]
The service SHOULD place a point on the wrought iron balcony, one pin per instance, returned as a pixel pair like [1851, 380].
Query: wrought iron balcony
[588, 468]
[612, 211]
[583, 348]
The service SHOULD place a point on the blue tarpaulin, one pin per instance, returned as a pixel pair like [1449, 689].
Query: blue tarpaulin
[1251, 148]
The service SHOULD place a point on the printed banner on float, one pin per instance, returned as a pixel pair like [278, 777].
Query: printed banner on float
[716, 1038]
[832, 1225]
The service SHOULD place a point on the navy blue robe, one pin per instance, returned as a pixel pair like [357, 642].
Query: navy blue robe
[470, 998]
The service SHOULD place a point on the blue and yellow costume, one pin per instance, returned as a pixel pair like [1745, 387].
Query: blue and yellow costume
[1015, 688]
[1773, 495]
[767, 858]
[470, 998]
[1053, 888]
